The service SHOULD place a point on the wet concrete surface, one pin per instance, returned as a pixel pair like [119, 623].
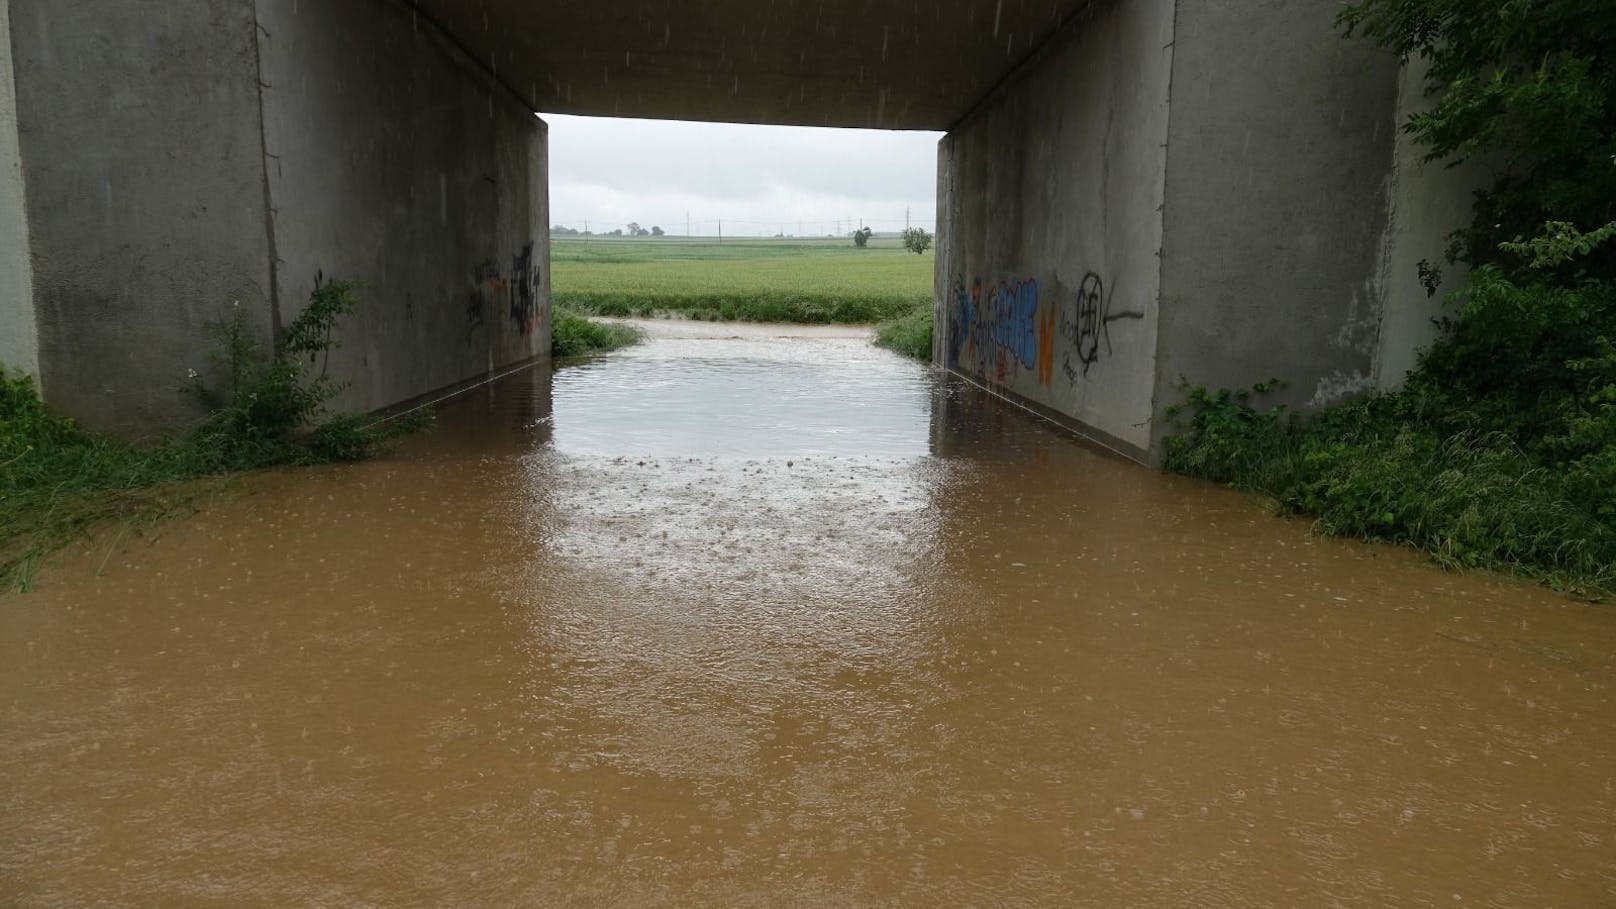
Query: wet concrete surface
[768, 621]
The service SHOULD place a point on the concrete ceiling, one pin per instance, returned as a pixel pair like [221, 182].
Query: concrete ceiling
[892, 64]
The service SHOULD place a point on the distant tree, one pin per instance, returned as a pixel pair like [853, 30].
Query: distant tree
[916, 240]
[861, 237]
[656, 231]
[634, 228]
[561, 230]
[616, 232]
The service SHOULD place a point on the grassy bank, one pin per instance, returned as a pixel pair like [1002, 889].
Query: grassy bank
[573, 335]
[1500, 451]
[910, 334]
[59, 481]
[752, 280]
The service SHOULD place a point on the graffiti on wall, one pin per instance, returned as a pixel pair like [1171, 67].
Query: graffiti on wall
[524, 293]
[997, 331]
[487, 287]
[1090, 324]
[1005, 330]
[516, 292]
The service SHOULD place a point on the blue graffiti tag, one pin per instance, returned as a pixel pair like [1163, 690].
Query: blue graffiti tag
[1015, 319]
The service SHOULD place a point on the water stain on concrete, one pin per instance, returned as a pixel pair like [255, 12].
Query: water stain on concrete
[767, 621]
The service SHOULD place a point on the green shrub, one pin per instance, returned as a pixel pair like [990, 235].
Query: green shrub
[1366, 469]
[572, 335]
[917, 240]
[910, 334]
[271, 410]
[1530, 87]
[1500, 450]
[60, 481]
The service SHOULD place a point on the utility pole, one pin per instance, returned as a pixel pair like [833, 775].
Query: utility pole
[687, 224]
[906, 219]
[720, 231]
[586, 234]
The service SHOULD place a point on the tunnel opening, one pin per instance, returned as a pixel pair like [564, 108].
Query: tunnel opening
[755, 265]
[739, 222]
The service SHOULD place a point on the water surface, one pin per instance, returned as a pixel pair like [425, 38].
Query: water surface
[786, 621]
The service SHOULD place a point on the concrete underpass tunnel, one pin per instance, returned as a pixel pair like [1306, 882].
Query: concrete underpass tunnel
[1130, 193]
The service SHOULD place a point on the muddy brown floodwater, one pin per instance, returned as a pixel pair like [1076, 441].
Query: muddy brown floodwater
[763, 621]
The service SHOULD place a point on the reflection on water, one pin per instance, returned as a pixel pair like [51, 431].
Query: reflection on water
[786, 622]
[744, 398]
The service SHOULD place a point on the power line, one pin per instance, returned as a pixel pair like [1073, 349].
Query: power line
[776, 226]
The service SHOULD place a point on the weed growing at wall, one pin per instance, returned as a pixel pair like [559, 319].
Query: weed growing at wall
[271, 410]
[1500, 450]
[1367, 470]
[60, 481]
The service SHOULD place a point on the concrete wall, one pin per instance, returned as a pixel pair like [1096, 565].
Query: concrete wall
[1050, 200]
[142, 154]
[19, 331]
[196, 160]
[1278, 185]
[394, 160]
[1429, 202]
[1179, 191]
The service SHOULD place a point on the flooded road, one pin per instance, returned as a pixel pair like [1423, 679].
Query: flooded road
[763, 621]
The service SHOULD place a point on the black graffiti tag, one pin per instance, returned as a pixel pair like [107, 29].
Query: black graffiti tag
[524, 292]
[1092, 324]
[485, 288]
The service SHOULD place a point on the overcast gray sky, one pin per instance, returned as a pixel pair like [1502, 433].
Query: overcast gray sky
[761, 180]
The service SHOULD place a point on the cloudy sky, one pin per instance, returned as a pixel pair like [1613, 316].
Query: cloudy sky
[761, 180]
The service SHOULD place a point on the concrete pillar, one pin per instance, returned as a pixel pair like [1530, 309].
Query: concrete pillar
[203, 160]
[1279, 177]
[395, 159]
[19, 331]
[1050, 205]
[1430, 200]
[1167, 193]
[143, 158]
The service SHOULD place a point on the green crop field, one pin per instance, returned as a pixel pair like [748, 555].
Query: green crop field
[751, 279]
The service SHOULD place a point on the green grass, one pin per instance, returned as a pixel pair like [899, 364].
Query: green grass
[1374, 469]
[1498, 452]
[59, 482]
[749, 280]
[572, 335]
[909, 334]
